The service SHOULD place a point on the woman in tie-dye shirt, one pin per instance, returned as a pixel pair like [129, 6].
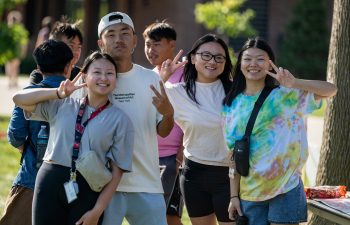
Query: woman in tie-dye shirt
[273, 191]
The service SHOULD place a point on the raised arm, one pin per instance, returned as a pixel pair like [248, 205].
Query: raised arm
[321, 89]
[164, 107]
[29, 98]
[170, 66]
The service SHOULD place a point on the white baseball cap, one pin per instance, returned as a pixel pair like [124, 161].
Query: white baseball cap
[112, 18]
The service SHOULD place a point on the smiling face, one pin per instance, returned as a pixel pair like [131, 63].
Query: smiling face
[208, 71]
[118, 41]
[101, 77]
[75, 45]
[254, 63]
[159, 51]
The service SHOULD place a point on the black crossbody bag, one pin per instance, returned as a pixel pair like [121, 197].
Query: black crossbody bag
[241, 150]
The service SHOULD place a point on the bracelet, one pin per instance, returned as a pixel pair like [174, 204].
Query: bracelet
[58, 94]
[234, 197]
[178, 160]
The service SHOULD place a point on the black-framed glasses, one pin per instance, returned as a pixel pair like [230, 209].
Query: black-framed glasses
[207, 57]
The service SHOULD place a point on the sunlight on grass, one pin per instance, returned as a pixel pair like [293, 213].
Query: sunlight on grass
[9, 165]
[321, 111]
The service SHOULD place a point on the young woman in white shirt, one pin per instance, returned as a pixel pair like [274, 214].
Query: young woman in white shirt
[204, 182]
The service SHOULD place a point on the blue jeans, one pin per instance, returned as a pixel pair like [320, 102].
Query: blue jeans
[287, 208]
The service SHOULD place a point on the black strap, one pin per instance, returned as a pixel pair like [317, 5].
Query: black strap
[257, 106]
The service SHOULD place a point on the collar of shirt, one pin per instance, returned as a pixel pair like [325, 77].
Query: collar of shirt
[53, 80]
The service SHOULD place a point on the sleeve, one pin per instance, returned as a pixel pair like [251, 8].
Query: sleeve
[304, 101]
[45, 110]
[121, 152]
[35, 77]
[18, 128]
[225, 124]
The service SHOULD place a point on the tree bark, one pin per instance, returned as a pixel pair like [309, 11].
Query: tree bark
[112, 5]
[91, 21]
[334, 165]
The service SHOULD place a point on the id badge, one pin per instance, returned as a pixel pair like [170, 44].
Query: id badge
[70, 191]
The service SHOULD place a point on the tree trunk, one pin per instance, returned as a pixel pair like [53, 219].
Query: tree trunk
[112, 6]
[334, 165]
[57, 9]
[91, 21]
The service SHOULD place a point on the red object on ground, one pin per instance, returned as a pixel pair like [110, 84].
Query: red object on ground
[2, 135]
[325, 192]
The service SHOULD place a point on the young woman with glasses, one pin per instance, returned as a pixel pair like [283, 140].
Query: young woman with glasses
[204, 183]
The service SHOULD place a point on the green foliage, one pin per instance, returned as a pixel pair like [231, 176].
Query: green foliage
[304, 50]
[12, 40]
[225, 16]
[8, 4]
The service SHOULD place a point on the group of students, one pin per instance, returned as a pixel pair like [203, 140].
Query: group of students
[131, 112]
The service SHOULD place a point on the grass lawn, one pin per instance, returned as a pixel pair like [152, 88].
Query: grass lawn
[9, 165]
[321, 111]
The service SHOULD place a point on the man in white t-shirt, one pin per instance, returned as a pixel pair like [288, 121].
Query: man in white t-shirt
[139, 195]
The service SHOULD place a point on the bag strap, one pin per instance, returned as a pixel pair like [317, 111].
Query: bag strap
[79, 129]
[257, 106]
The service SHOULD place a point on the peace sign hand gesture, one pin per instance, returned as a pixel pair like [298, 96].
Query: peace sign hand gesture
[67, 87]
[283, 76]
[161, 101]
[169, 67]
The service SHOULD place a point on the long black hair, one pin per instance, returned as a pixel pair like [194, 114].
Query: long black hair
[190, 73]
[239, 81]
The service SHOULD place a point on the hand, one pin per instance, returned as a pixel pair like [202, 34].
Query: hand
[178, 164]
[67, 87]
[234, 208]
[20, 149]
[284, 77]
[89, 218]
[161, 101]
[169, 67]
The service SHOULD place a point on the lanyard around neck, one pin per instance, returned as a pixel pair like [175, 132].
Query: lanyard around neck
[79, 129]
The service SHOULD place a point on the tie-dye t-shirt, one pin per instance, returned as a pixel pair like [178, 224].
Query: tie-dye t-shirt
[278, 144]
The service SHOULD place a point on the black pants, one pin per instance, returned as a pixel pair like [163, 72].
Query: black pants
[206, 190]
[50, 205]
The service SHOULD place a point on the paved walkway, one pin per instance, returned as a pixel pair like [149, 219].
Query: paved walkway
[6, 102]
